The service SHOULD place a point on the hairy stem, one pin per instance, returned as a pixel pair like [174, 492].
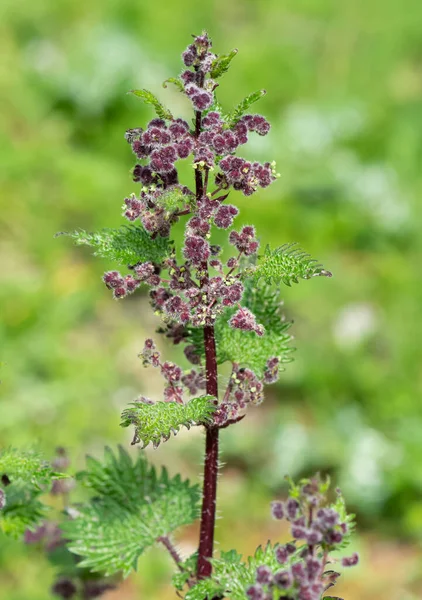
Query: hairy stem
[209, 492]
[172, 550]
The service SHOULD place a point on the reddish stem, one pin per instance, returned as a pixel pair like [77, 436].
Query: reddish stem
[172, 550]
[209, 494]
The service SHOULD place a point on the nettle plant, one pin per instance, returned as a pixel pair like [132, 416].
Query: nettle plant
[221, 311]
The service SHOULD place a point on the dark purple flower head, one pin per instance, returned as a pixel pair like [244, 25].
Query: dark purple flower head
[244, 241]
[211, 120]
[64, 588]
[264, 575]
[224, 216]
[119, 292]
[191, 354]
[196, 250]
[313, 536]
[271, 370]
[144, 175]
[189, 56]
[245, 320]
[283, 579]
[314, 568]
[299, 573]
[198, 226]
[174, 306]
[162, 161]
[277, 510]
[245, 176]
[241, 133]
[188, 77]
[232, 294]
[203, 155]
[157, 123]
[207, 207]
[292, 508]
[207, 62]
[333, 537]
[184, 147]
[255, 592]
[95, 588]
[132, 208]
[159, 297]
[173, 394]
[113, 279]
[192, 90]
[140, 149]
[178, 129]
[131, 283]
[282, 553]
[201, 100]
[350, 561]
[144, 271]
[150, 354]
[171, 372]
[194, 381]
[327, 518]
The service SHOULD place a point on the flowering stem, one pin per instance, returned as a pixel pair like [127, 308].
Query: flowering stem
[209, 493]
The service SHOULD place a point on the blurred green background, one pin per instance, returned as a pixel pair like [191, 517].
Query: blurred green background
[344, 82]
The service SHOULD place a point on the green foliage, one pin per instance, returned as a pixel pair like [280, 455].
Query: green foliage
[176, 81]
[132, 506]
[149, 98]
[24, 476]
[245, 347]
[286, 264]
[243, 106]
[340, 506]
[222, 63]
[156, 422]
[231, 576]
[187, 571]
[172, 200]
[126, 245]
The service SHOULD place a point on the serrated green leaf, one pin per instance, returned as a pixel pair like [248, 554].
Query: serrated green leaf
[243, 106]
[126, 245]
[340, 506]
[286, 264]
[132, 506]
[151, 99]
[175, 81]
[173, 199]
[156, 422]
[245, 347]
[187, 571]
[231, 576]
[25, 475]
[222, 63]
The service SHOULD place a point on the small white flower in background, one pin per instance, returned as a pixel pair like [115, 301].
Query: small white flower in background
[354, 324]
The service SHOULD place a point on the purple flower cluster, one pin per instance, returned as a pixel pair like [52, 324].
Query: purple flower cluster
[122, 286]
[246, 176]
[244, 319]
[245, 241]
[244, 388]
[194, 381]
[175, 380]
[303, 574]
